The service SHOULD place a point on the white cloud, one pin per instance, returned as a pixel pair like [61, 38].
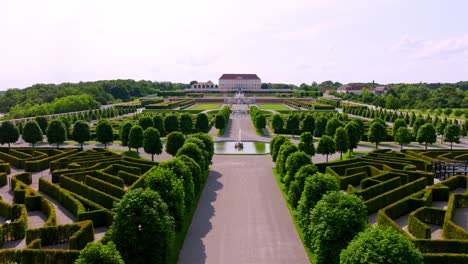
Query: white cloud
[432, 49]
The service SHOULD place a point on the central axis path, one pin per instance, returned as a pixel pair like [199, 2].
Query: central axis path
[241, 216]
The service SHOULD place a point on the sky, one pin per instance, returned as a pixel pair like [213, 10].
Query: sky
[295, 41]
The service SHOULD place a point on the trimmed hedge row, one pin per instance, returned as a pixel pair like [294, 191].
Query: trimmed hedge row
[3, 179]
[107, 201]
[451, 230]
[5, 167]
[418, 220]
[448, 258]
[17, 227]
[104, 186]
[62, 196]
[77, 234]
[39, 256]
[44, 163]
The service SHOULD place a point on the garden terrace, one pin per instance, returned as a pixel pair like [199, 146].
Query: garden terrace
[309, 105]
[172, 104]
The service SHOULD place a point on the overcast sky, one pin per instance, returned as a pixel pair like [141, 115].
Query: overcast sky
[295, 41]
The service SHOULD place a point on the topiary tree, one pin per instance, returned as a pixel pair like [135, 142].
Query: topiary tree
[332, 125]
[81, 132]
[308, 124]
[306, 143]
[171, 188]
[186, 124]
[197, 174]
[440, 130]
[135, 137]
[403, 136]
[426, 135]
[104, 132]
[315, 186]
[293, 163]
[9, 133]
[326, 146]
[32, 133]
[208, 141]
[203, 161]
[320, 126]
[159, 125]
[334, 222]
[400, 122]
[152, 142]
[341, 141]
[42, 122]
[220, 122]
[377, 133]
[452, 134]
[124, 133]
[297, 185]
[141, 218]
[145, 122]
[285, 150]
[417, 124]
[292, 124]
[275, 145]
[260, 121]
[174, 142]
[56, 132]
[380, 246]
[183, 172]
[202, 124]
[354, 135]
[277, 123]
[171, 123]
[97, 253]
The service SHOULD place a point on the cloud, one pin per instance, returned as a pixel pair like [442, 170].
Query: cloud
[432, 49]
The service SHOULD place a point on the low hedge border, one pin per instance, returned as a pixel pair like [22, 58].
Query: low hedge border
[38, 256]
[452, 230]
[104, 186]
[17, 227]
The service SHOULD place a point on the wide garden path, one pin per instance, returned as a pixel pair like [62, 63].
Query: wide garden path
[241, 216]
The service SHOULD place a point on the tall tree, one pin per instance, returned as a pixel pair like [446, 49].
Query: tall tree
[158, 122]
[81, 132]
[426, 135]
[326, 146]
[403, 136]
[135, 137]
[377, 133]
[186, 124]
[308, 124]
[341, 141]
[175, 140]
[334, 222]
[141, 217]
[32, 133]
[104, 132]
[354, 135]
[145, 122]
[440, 130]
[292, 124]
[42, 122]
[220, 121]
[152, 142]
[277, 123]
[452, 134]
[400, 122]
[320, 126]
[332, 125]
[260, 121]
[171, 123]
[9, 133]
[56, 132]
[124, 133]
[306, 143]
[202, 124]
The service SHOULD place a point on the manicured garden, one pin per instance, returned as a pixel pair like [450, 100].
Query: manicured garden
[205, 106]
[273, 107]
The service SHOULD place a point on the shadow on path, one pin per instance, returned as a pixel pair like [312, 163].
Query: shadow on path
[194, 250]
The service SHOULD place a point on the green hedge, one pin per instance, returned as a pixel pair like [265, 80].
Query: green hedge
[3, 179]
[38, 256]
[451, 230]
[446, 258]
[5, 167]
[128, 178]
[44, 163]
[378, 202]
[62, 196]
[379, 189]
[35, 244]
[104, 187]
[17, 227]
[107, 201]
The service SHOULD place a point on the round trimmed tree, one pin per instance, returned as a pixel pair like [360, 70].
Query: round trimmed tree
[292, 124]
[308, 124]
[97, 253]
[275, 145]
[9, 133]
[326, 146]
[208, 141]
[32, 133]
[294, 162]
[104, 132]
[175, 140]
[152, 142]
[341, 141]
[124, 132]
[426, 135]
[452, 134]
[381, 246]
[336, 219]
[285, 150]
[277, 123]
[145, 122]
[377, 133]
[186, 124]
[220, 121]
[81, 132]
[135, 137]
[260, 121]
[141, 218]
[171, 123]
[56, 132]
[158, 122]
[354, 135]
[306, 143]
[42, 122]
[403, 136]
[183, 172]
[202, 124]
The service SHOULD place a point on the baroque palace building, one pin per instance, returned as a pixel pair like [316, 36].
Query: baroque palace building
[240, 82]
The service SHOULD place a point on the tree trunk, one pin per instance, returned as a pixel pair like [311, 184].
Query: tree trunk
[326, 156]
[152, 157]
[401, 147]
[8, 144]
[81, 146]
[425, 147]
[129, 149]
[105, 146]
[376, 145]
[33, 145]
[341, 155]
[451, 144]
[58, 145]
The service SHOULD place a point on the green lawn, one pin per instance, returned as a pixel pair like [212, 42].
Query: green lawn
[205, 106]
[273, 107]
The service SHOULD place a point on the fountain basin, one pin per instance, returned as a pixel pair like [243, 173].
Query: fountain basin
[249, 147]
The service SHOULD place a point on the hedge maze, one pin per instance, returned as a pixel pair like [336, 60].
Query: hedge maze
[86, 183]
[399, 187]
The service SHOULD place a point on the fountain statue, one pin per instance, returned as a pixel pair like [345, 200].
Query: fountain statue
[239, 145]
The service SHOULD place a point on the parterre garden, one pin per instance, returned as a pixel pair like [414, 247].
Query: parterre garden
[101, 189]
[390, 189]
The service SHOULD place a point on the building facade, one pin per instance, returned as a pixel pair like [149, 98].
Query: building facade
[240, 82]
[204, 85]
